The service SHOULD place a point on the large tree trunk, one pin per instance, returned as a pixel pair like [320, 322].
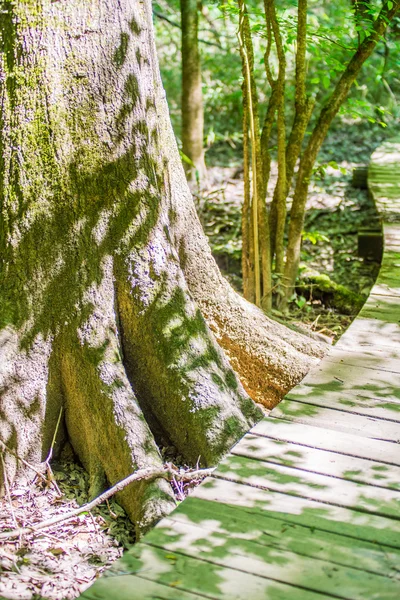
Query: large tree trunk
[111, 305]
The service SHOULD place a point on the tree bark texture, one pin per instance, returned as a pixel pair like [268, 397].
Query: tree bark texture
[192, 96]
[111, 305]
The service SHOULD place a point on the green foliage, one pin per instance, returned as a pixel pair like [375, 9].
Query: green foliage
[335, 32]
[314, 237]
[333, 37]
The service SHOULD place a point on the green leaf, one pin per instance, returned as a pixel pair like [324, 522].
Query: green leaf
[314, 237]
[300, 301]
[326, 81]
[390, 5]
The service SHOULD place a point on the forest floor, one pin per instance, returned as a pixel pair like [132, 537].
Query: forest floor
[60, 562]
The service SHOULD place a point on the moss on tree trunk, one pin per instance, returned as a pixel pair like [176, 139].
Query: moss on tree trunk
[111, 305]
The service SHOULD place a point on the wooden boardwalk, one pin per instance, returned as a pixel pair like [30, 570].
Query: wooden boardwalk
[307, 505]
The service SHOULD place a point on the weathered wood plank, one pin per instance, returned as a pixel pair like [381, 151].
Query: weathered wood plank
[369, 357]
[333, 518]
[294, 482]
[392, 232]
[269, 561]
[329, 418]
[186, 574]
[358, 340]
[371, 331]
[326, 439]
[341, 378]
[388, 280]
[383, 289]
[389, 273]
[391, 255]
[126, 586]
[265, 530]
[307, 506]
[349, 401]
[385, 309]
[318, 461]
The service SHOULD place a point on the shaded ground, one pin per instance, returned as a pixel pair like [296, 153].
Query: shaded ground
[60, 562]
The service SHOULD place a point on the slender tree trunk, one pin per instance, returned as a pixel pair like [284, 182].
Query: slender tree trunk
[303, 110]
[111, 305]
[265, 154]
[260, 228]
[192, 96]
[280, 194]
[328, 113]
[302, 104]
[247, 221]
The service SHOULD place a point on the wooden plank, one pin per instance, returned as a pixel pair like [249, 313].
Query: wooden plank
[302, 511]
[333, 441]
[260, 528]
[384, 289]
[131, 587]
[390, 305]
[186, 574]
[294, 482]
[388, 280]
[323, 462]
[349, 401]
[389, 274]
[391, 254]
[272, 562]
[371, 332]
[370, 357]
[354, 340]
[368, 383]
[386, 309]
[392, 232]
[329, 418]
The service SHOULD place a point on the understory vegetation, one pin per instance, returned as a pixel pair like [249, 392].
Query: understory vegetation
[338, 207]
[337, 212]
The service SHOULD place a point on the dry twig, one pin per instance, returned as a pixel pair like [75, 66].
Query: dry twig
[167, 473]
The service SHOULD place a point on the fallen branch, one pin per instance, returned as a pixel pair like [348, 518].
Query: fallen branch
[168, 473]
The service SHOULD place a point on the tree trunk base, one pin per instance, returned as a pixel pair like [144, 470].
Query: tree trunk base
[111, 305]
